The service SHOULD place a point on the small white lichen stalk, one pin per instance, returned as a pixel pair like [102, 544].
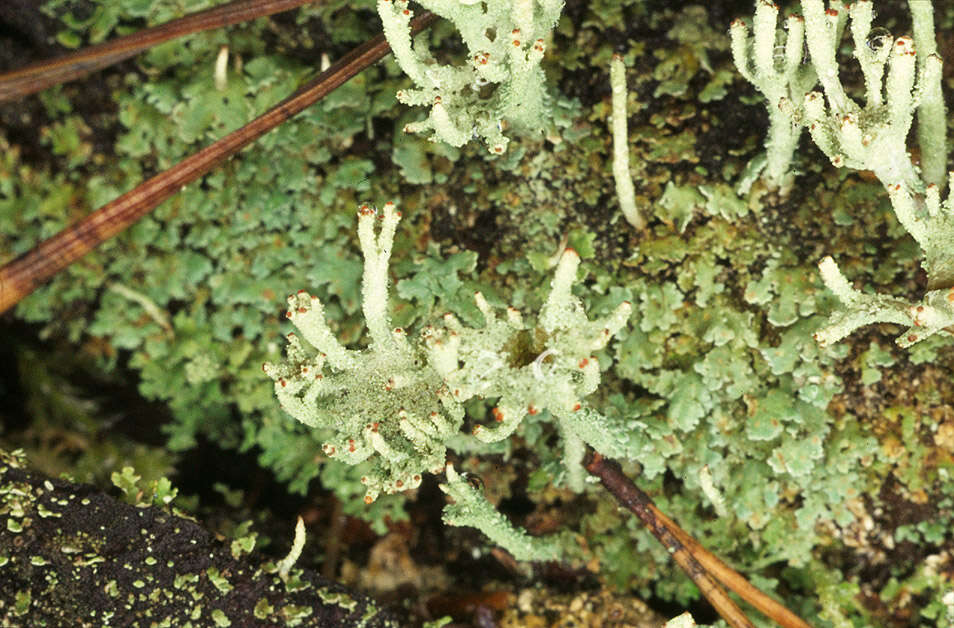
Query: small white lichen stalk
[625, 191]
[398, 403]
[471, 508]
[778, 72]
[506, 42]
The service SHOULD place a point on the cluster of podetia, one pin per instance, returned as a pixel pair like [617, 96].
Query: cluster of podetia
[502, 80]
[902, 77]
[384, 402]
[551, 367]
[397, 402]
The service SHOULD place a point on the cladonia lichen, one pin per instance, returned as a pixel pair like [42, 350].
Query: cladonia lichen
[502, 79]
[398, 402]
[865, 137]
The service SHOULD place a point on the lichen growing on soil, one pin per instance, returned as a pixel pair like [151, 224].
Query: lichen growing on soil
[834, 464]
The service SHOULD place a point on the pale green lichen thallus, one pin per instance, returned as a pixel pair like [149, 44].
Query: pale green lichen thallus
[399, 401]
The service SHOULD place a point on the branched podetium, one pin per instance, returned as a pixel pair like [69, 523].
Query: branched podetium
[397, 403]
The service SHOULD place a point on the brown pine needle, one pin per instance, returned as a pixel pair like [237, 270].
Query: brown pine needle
[39, 76]
[732, 579]
[21, 276]
[695, 560]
